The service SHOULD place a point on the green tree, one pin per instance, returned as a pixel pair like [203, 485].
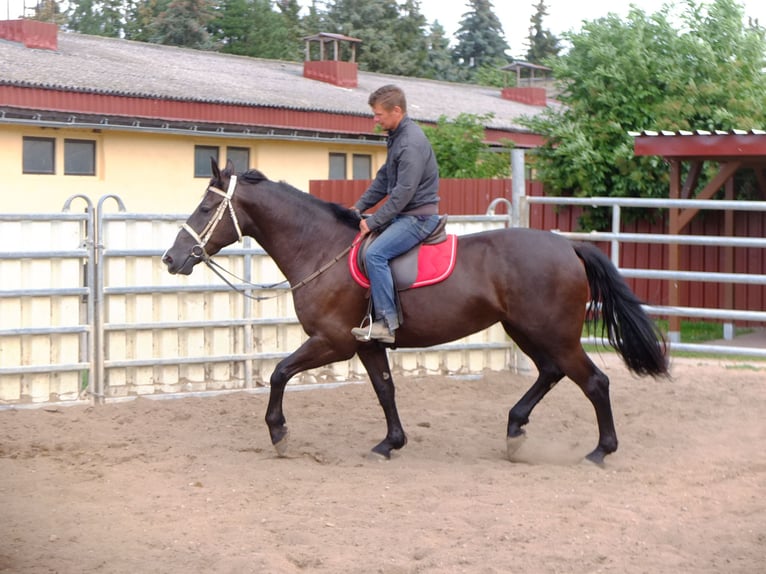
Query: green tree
[461, 151]
[253, 28]
[101, 18]
[393, 37]
[411, 44]
[542, 43]
[289, 11]
[643, 74]
[438, 64]
[184, 23]
[141, 16]
[480, 39]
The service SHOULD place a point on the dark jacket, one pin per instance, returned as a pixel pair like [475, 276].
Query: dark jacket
[410, 177]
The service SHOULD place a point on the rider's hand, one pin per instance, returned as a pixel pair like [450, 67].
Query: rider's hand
[363, 227]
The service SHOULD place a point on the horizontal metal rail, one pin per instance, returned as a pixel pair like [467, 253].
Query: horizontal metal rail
[616, 238]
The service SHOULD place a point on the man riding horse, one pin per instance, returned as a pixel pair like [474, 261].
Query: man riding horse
[410, 179]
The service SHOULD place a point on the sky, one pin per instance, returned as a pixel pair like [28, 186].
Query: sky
[514, 15]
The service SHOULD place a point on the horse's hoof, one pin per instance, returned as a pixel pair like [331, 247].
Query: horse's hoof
[282, 444]
[380, 452]
[377, 456]
[513, 443]
[596, 457]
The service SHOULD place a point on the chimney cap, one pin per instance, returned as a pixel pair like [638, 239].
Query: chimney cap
[329, 37]
[519, 65]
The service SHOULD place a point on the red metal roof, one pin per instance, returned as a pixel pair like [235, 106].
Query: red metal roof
[747, 145]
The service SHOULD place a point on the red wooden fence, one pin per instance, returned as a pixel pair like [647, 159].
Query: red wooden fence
[458, 196]
[471, 197]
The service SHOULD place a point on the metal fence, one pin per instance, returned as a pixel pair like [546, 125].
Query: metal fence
[89, 312]
[616, 238]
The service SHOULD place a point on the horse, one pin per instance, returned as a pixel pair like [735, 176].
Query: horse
[542, 287]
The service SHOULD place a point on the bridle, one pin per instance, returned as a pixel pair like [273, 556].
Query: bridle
[198, 250]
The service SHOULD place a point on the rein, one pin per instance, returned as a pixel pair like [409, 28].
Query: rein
[214, 267]
[198, 251]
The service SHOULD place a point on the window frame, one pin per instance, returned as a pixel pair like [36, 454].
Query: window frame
[368, 158]
[337, 156]
[198, 161]
[239, 149]
[76, 141]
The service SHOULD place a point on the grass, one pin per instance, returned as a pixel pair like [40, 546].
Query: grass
[691, 332]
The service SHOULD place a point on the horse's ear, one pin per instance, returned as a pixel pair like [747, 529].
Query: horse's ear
[214, 168]
[229, 167]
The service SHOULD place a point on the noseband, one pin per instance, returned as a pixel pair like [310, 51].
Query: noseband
[198, 251]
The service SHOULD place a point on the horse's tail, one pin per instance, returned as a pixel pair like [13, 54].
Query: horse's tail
[629, 329]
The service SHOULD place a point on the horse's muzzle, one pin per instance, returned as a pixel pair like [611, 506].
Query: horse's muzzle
[184, 267]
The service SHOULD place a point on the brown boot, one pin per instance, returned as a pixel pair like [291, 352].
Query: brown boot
[377, 331]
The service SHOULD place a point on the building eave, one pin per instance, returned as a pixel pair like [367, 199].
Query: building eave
[49, 119]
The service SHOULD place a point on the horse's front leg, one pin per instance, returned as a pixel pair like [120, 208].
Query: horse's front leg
[374, 359]
[314, 352]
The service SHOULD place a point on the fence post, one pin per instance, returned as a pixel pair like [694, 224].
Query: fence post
[99, 391]
[89, 242]
[520, 216]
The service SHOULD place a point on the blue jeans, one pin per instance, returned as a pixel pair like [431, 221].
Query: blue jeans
[403, 233]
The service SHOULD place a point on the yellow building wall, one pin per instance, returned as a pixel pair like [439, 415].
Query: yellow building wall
[153, 172]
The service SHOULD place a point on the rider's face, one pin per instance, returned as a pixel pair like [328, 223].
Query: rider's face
[387, 119]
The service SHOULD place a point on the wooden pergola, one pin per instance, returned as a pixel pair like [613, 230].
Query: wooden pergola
[525, 73]
[732, 151]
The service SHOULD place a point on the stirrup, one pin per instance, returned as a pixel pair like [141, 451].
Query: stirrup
[367, 319]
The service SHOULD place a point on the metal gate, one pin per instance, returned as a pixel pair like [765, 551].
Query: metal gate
[89, 313]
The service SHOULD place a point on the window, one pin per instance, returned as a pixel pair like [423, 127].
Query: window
[240, 156]
[79, 157]
[361, 166]
[202, 155]
[337, 166]
[39, 155]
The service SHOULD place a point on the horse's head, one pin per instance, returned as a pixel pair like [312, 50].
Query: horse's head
[211, 227]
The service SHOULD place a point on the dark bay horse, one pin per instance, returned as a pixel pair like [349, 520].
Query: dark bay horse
[535, 283]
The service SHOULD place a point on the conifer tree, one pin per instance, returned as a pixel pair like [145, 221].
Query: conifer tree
[438, 64]
[480, 39]
[184, 23]
[542, 43]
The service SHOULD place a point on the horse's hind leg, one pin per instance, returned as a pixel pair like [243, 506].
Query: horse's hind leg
[518, 416]
[575, 364]
[595, 384]
[374, 359]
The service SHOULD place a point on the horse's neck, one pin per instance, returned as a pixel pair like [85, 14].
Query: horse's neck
[298, 240]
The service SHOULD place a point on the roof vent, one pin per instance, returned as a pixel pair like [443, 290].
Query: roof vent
[333, 71]
[529, 89]
[31, 33]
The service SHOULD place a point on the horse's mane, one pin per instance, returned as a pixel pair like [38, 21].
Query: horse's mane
[344, 215]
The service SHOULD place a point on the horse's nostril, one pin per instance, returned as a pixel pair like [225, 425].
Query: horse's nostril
[167, 259]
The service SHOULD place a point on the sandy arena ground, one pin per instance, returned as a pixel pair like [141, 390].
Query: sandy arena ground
[194, 486]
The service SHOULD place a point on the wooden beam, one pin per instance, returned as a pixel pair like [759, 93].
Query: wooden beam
[760, 176]
[725, 172]
[692, 179]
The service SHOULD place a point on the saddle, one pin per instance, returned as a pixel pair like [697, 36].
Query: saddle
[425, 264]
